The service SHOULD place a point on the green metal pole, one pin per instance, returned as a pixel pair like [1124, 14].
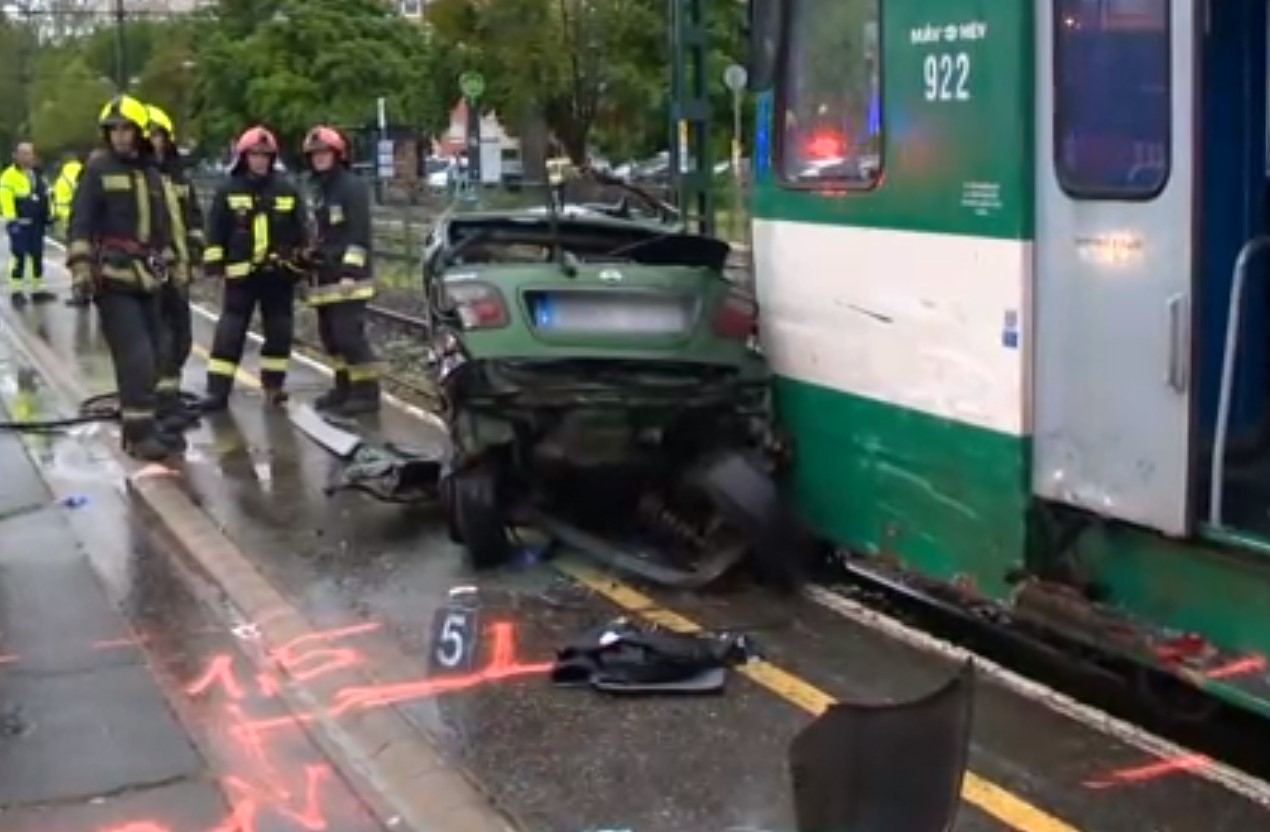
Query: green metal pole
[691, 167]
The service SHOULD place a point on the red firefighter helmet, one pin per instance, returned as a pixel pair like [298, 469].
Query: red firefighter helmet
[326, 138]
[256, 139]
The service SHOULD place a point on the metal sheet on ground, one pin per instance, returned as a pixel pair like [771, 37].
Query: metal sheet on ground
[575, 759]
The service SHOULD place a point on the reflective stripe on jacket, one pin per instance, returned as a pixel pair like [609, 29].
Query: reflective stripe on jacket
[23, 196]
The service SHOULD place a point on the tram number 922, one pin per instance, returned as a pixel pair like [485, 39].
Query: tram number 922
[947, 77]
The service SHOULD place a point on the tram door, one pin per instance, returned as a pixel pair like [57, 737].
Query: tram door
[1113, 258]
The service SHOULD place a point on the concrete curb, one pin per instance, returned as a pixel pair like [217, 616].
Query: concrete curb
[402, 777]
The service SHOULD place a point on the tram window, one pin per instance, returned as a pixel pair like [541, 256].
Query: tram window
[830, 95]
[1112, 109]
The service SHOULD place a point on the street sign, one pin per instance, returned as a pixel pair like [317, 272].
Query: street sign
[734, 77]
[386, 157]
[472, 85]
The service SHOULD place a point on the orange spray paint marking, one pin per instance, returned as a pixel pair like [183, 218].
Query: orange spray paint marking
[268, 683]
[8, 658]
[503, 665]
[248, 800]
[220, 671]
[262, 788]
[1153, 771]
[1240, 667]
[311, 664]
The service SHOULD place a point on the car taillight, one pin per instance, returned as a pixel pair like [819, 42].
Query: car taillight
[737, 317]
[480, 306]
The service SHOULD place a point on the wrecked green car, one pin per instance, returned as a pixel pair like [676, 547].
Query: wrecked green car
[602, 382]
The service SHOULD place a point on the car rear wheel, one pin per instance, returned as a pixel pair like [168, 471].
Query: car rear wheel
[476, 515]
[747, 499]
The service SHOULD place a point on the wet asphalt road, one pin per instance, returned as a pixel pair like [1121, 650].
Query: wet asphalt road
[561, 760]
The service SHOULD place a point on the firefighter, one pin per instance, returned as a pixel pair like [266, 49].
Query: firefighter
[342, 273]
[257, 233]
[174, 296]
[64, 188]
[24, 205]
[120, 252]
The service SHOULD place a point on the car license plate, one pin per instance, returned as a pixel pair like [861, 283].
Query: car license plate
[611, 313]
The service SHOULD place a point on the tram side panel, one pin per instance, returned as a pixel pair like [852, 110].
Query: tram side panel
[893, 241]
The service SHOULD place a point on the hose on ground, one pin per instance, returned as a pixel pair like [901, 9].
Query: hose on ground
[103, 407]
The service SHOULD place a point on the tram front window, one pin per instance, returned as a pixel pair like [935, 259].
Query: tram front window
[830, 94]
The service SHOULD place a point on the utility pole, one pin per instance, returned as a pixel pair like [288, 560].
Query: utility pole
[121, 54]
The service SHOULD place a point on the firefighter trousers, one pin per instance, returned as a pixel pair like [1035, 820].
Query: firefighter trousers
[130, 323]
[275, 295]
[177, 331]
[342, 328]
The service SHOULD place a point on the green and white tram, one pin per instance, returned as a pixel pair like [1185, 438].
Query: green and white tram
[995, 244]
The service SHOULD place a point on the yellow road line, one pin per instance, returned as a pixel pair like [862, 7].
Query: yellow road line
[975, 790]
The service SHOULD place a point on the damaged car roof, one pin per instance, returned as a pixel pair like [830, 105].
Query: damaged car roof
[581, 229]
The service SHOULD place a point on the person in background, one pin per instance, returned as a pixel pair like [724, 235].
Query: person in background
[120, 252]
[174, 295]
[343, 283]
[64, 188]
[24, 206]
[257, 230]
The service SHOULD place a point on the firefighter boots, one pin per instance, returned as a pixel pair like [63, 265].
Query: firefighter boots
[141, 441]
[334, 398]
[362, 398]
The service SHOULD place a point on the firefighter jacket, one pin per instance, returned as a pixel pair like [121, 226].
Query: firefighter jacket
[24, 196]
[121, 224]
[64, 189]
[187, 230]
[254, 223]
[341, 208]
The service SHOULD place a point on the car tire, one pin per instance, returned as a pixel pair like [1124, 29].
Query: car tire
[780, 547]
[445, 492]
[476, 515]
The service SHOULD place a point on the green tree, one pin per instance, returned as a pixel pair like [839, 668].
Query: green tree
[69, 96]
[100, 46]
[167, 80]
[596, 70]
[18, 58]
[291, 63]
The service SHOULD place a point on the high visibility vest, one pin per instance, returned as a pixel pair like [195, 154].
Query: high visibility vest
[22, 196]
[64, 189]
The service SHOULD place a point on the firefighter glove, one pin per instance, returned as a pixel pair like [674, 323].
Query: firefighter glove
[82, 283]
